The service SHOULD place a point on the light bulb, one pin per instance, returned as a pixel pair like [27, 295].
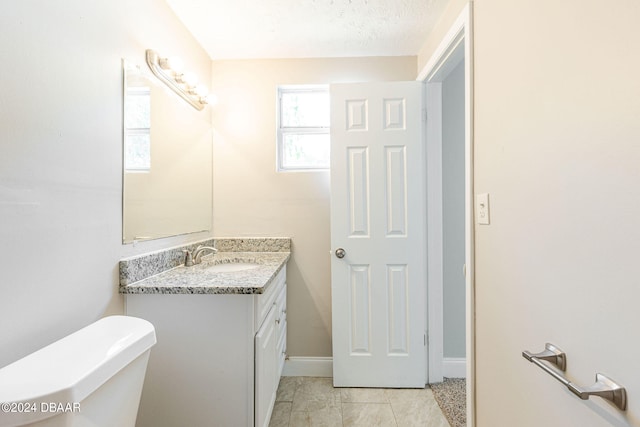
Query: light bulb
[200, 90]
[189, 79]
[209, 99]
[175, 64]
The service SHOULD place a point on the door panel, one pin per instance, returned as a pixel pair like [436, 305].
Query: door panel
[360, 308]
[358, 189]
[396, 196]
[398, 292]
[378, 218]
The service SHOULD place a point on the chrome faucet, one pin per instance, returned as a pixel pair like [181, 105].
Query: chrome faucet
[195, 257]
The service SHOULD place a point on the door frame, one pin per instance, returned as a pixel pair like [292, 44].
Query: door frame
[444, 58]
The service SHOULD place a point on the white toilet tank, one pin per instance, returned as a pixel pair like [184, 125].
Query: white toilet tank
[91, 378]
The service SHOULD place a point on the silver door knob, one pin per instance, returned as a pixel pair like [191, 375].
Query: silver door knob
[340, 253]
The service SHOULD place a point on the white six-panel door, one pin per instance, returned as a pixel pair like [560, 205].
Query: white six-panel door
[378, 205]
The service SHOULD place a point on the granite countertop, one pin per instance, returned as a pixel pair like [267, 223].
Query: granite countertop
[198, 280]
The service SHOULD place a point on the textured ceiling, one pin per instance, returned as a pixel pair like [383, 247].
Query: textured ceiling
[308, 28]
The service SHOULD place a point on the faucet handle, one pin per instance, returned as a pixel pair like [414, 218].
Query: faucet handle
[197, 254]
[188, 258]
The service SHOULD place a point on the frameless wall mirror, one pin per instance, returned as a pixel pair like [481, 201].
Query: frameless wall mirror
[167, 164]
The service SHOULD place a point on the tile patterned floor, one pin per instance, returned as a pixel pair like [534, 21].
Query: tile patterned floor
[314, 402]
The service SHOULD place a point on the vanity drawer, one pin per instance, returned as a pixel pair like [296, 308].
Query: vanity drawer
[263, 302]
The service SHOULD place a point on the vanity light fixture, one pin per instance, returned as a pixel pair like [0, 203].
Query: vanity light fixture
[170, 71]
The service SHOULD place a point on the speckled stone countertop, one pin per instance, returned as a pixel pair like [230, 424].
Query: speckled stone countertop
[198, 280]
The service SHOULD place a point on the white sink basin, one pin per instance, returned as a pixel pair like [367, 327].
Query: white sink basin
[232, 266]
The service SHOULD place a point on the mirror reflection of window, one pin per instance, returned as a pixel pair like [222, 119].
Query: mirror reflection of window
[137, 129]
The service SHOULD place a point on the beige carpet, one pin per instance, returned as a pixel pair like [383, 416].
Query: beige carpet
[451, 395]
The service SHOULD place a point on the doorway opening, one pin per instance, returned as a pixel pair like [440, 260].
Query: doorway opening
[449, 147]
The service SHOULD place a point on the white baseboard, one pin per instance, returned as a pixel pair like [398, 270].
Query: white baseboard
[454, 367]
[308, 367]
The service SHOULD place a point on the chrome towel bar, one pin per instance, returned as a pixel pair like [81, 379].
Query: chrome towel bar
[604, 386]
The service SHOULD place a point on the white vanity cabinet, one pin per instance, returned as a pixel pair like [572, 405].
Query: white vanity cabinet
[219, 357]
[266, 370]
[269, 354]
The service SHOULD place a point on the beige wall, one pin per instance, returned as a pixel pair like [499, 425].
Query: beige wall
[557, 131]
[252, 199]
[61, 161]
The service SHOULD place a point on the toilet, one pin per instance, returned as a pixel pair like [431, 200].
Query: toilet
[91, 378]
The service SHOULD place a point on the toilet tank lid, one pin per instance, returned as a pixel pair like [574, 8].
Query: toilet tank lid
[70, 369]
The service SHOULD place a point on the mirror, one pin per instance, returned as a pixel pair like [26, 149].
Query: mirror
[167, 160]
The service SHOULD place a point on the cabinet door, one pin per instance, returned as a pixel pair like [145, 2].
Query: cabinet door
[281, 321]
[281, 352]
[266, 366]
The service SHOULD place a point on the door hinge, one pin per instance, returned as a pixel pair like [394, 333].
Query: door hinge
[424, 115]
[426, 339]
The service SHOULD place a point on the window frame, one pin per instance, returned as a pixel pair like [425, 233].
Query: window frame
[281, 130]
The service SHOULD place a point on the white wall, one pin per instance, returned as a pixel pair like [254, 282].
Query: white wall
[453, 212]
[252, 199]
[60, 161]
[557, 131]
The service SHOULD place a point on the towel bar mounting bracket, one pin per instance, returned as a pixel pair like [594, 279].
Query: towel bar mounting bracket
[604, 386]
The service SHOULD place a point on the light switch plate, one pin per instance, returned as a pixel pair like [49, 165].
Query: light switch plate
[482, 208]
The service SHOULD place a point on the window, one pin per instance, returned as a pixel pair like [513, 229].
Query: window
[137, 129]
[303, 128]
